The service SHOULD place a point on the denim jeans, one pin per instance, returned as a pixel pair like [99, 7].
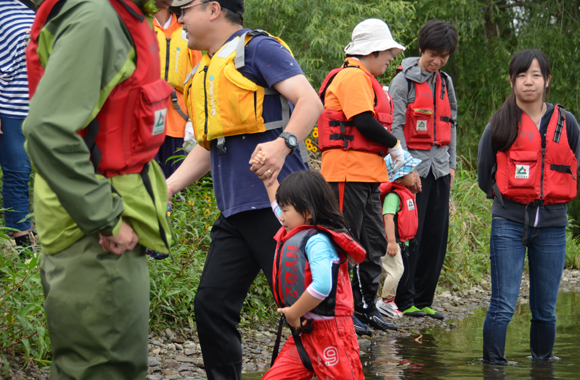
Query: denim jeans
[546, 254]
[16, 173]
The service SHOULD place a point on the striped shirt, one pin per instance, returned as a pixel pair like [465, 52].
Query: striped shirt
[15, 23]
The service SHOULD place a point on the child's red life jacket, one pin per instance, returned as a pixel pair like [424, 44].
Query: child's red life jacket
[130, 126]
[407, 219]
[531, 170]
[335, 131]
[291, 275]
[428, 118]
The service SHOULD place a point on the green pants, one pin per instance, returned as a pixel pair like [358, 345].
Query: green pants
[97, 306]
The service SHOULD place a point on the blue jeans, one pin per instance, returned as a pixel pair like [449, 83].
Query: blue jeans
[546, 255]
[16, 173]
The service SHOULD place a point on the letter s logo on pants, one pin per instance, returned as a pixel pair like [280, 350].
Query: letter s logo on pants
[330, 356]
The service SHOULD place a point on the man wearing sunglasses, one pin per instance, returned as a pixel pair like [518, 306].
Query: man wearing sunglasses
[234, 100]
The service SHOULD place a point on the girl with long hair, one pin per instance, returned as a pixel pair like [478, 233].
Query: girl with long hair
[527, 163]
[311, 281]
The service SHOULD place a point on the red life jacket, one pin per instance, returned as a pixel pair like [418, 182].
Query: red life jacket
[527, 172]
[406, 219]
[428, 120]
[130, 127]
[335, 131]
[291, 275]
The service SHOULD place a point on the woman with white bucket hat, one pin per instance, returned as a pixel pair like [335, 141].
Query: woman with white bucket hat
[354, 136]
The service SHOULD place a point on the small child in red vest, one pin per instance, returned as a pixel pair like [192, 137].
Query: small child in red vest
[401, 221]
[311, 281]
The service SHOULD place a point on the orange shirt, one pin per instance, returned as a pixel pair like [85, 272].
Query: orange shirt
[352, 92]
[175, 123]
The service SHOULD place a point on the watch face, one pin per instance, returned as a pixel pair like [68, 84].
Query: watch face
[292, 140]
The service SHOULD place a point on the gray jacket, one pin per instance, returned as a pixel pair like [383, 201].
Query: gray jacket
[439, 159]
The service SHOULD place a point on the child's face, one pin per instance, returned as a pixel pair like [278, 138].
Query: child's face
[291, 218]
[408, 180]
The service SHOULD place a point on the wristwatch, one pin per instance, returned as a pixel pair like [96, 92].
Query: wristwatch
[291, 141]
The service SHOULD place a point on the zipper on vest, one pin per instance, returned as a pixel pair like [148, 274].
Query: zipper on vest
[205, 96]
[167, 52]
[435, 111]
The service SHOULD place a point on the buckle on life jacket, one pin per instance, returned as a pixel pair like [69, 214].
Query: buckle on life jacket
[345, 138]
[221, 145]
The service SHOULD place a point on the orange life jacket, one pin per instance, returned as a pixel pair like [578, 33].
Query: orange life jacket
[428, 118]
[406, 219]
[335, 131]
[291, 273]
[537, 169]
[130, 127]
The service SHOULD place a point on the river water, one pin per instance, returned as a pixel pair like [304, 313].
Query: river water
[456, 353]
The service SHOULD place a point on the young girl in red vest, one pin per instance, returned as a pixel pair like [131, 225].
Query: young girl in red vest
[527, 163]
[311, 281]
[401, 222]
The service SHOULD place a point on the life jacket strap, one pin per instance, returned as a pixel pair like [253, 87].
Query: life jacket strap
[560, 126]
[448, 119]
[177, 107]
[536, 203]
[278, 339]
[562, 169]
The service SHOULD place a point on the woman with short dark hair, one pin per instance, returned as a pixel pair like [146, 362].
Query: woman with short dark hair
[527, 163]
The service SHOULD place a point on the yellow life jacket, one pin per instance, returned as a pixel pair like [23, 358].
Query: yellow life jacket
[222, 102]
[175, 62]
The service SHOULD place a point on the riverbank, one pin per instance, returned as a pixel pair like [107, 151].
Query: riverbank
[176, 355]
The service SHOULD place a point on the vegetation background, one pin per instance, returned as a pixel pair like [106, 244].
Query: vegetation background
[490, 32]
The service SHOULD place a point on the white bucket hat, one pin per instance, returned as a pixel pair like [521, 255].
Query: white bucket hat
[372, 35]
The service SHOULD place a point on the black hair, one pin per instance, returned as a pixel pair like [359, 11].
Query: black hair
[307, 190]
[235, 18]
[505, 123]
[439, 36]
[358, 56]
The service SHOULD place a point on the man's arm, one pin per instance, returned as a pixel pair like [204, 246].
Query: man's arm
[307, 109]
[196, 165]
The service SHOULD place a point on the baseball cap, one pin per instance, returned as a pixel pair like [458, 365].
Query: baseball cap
[372, 35]
[409, 164]
[236, 6]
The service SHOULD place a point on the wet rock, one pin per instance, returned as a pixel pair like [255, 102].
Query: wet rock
[364, 343]
[154, 377]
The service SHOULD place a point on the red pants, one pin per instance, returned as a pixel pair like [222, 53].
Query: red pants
[332, 347]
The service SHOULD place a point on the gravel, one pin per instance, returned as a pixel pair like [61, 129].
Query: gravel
[176, 355]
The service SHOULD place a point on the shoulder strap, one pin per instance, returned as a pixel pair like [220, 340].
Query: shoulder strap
[561, 121]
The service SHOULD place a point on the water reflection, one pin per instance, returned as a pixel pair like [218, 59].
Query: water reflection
[456, 353]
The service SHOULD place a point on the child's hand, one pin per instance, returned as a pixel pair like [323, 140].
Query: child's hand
[293, 320]
[392, 249]
[259, 158]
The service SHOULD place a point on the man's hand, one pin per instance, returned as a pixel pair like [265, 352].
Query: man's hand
[268, 159]
[452, 177]
[125, 240]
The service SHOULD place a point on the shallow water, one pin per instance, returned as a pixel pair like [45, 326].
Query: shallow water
[456, 353]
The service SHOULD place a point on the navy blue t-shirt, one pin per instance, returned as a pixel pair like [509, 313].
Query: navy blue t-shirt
[236, 187]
